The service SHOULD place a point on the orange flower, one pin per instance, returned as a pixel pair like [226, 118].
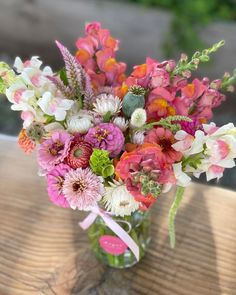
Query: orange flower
[26, 144]
[139, 71]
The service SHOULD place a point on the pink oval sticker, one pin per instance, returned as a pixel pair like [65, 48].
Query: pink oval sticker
[112, 245]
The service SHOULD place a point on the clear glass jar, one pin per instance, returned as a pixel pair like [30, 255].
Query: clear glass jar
[110, 249]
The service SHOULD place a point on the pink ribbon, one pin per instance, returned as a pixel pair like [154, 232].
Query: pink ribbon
[114, 226]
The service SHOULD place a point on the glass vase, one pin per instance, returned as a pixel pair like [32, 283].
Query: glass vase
[110, 249]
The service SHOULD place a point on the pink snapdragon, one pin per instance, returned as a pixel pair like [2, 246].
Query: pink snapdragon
[96, 52]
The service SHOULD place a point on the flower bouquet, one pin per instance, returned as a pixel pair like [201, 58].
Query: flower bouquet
[111, 144]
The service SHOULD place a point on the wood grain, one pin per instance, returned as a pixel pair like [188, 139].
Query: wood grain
[43, 251]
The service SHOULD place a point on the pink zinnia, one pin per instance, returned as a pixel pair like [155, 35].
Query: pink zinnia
[82, 188]
[55, 179]
[164, 138]
[106, 136]
[54, 150]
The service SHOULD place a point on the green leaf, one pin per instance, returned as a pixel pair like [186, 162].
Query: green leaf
[107, 117]
[172, 213]
[63, 77]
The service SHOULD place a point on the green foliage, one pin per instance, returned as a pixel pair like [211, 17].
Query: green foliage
[7, 76]
[168, 123]
[63, 76]
[185, 66]
[189, 17]
[193, 161]
[172, 213]
[101, 164]
[228, 81]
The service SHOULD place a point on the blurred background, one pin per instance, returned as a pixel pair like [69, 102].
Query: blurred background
[155, 28]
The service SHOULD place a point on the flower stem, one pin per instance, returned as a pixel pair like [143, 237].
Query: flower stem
[172, 213]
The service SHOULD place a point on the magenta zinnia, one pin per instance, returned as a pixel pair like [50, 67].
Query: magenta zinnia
[82, 188]
[79, 154]
[55, 179]
[106, 136]
[54, 150]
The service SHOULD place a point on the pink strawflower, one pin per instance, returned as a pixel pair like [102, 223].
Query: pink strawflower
[54, 150]
[164, 138]
[82, 188]
[55, 180]
[106, 136]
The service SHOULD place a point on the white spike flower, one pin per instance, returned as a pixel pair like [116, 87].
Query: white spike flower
[107, 103]
[138, 118]
[138, 138]
[121, 123]
[118, 200]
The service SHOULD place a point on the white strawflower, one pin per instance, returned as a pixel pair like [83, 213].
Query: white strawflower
[80, 122]
[118, 200]
[121, 123]
[138, 118]
[138, 138]
[107, 103]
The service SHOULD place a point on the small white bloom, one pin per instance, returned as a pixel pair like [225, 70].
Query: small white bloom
[53, 127]
[78, 124]
[138, 118]
[54, 106]
[182, 178]
[138, 138]
[121, 123]
[34, 62]
[107, 103]
[118, 200]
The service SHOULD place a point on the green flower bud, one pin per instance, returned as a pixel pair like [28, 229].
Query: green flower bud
[35, 131]
[133, 100]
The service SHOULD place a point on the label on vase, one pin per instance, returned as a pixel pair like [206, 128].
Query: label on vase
[112, 245]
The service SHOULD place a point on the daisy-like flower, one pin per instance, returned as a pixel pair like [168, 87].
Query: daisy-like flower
[165, 139]
[138, 118]
[55, 180]
[118, 200]
[121, 123]
[82, 188]
[54, 150]
[107, 103]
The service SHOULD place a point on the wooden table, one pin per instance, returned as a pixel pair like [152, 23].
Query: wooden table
[43, 251]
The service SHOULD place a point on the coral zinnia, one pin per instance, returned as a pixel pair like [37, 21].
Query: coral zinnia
[25, 142]
[79, 154]
[145, 171]
[164, 138]
[55, 179]
[82, 188]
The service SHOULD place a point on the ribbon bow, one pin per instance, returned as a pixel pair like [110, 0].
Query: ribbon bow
[113, 225]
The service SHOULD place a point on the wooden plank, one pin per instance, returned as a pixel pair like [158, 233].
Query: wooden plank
[43, 251]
